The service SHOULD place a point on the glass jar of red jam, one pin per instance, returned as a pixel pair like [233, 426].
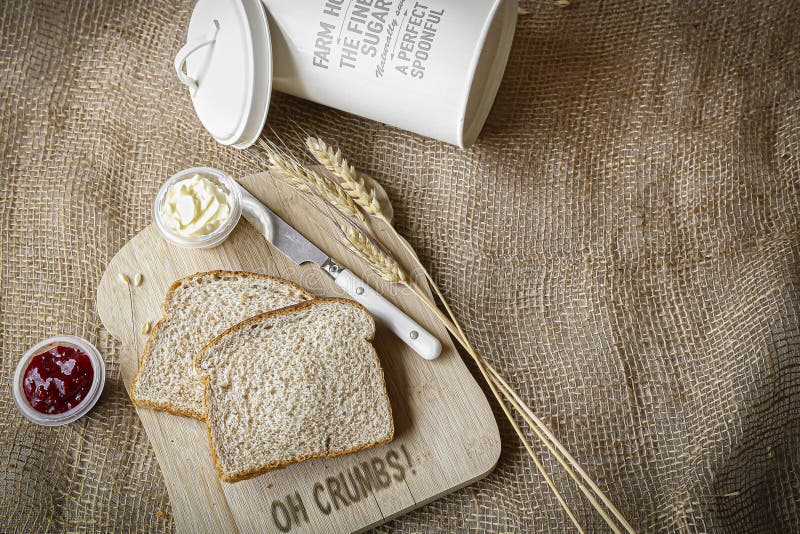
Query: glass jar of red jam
[59, 380]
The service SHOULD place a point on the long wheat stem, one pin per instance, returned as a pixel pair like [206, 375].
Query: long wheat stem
[545, 434]
[490, 375]
[538, 426]
[592, 499]
[542, 431]
[531, 453]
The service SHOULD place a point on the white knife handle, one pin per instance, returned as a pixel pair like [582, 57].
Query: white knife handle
[393, 317]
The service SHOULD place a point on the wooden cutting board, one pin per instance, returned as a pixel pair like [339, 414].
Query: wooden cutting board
[446, 436]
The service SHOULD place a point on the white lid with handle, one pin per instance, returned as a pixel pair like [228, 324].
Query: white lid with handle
[227, 65]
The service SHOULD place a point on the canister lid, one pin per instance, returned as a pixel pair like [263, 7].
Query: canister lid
[228, 68]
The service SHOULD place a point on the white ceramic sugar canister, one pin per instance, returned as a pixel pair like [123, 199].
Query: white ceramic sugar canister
[431, 67]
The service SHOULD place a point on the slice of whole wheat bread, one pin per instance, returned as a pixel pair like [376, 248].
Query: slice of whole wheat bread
[293, 384]
[195, 310]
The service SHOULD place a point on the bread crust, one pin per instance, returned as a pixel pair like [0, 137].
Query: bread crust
[171, 408]
[205, 379]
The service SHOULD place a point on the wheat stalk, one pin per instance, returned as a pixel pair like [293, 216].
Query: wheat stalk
[307, 180]
[495, 382]
[390, 270]
[352, 180]
[386, 266]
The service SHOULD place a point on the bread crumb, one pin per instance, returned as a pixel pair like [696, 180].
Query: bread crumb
[562, 3]
[160, 514]
[146, 328]
[123, 279]
[138, 279]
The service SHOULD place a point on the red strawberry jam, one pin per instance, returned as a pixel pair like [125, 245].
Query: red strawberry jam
[58, 380]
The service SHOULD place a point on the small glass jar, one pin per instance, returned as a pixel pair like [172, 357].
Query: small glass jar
[220, 233]
[76, 412]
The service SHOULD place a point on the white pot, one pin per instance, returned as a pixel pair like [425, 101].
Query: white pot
[429, 67]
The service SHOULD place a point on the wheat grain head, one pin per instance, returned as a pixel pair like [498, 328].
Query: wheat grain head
[381, 262]
[352, 181]
[307, 180]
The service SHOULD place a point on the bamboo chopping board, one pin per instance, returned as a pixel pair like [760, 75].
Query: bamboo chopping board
[445, 434]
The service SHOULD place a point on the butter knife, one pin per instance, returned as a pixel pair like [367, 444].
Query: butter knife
[300, 250]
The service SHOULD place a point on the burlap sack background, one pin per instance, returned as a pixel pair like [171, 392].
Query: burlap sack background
[622, 243]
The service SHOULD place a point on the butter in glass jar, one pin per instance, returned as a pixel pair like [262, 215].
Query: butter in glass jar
[197, 208]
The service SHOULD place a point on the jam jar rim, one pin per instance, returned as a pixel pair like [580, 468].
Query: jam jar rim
[98, 381]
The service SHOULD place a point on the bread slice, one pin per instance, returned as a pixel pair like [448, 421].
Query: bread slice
[195, 310]
[294, 384]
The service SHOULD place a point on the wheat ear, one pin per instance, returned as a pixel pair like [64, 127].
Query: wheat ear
[352, 180]
[307, 180]
[381, 262]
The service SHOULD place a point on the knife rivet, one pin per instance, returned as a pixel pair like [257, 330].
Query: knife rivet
[359, 291]
[414, 334]
[333, 268]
